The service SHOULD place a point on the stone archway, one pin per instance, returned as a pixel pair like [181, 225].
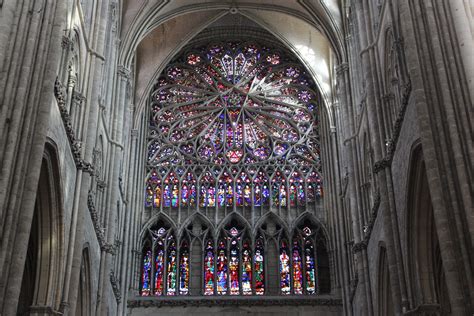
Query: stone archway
[428, 284]
[40, 292]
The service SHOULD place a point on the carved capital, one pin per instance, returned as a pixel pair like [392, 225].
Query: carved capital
[380, 165]
[123, 72]
[358, 247]
[342, 68]
[67, 43]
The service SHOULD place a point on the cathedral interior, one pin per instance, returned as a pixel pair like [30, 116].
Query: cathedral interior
[236, 157]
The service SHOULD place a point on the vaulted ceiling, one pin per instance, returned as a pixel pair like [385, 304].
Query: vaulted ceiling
[155, 31]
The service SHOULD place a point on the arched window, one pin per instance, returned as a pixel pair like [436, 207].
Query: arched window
[209, 260]
[259, 266]
[235, 263]
[221, 116]
[233, 137]
[184, 268]
[159, 273]
[284, 268]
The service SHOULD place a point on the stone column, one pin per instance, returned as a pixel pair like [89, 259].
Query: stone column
[91, 86]
[369, 66]
[439, 65]
[29, 57]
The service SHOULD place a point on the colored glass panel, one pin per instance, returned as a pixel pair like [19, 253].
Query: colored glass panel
[235, 104]
[209, 269]
[310, 267]
[159, 268]
[221, 269]
[184, 269]
[284, 269]
[297, 269]
[171, 268]
[146, 272]
[259, 267]
[246, 269]
[234, 268]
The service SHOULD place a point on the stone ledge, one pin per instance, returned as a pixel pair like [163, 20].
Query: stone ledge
[212, 301]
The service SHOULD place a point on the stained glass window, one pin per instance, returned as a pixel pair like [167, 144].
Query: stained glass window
[284, 269]
[234, 282]
[310, 267]
[221, 268]
[234, 265]
[146, 271]
[233, 127]
[209, 268]
[246, 268]
[159, 267]
[259, 267]
[233, 104]
[172, 267]
[297, 268]
[184, 268]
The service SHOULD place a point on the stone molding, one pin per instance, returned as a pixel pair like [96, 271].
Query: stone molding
[115, 287]
[200, 301]
[99, 230]
[75, 144]
[124, 72]
[362, 245]
[386, 162]
[67, 43]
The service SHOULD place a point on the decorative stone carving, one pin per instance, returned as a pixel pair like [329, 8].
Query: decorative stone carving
[368, 229]
[115, 286]
[81, 164]
[67, 43]
[386, 161]
[124, 72]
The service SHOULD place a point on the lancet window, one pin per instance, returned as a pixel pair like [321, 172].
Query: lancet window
[236, 263]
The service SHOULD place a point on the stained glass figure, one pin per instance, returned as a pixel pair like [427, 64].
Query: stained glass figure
[153, 190]
[234, 268]
[246, 268]
[314, 186]
[209, 269]
[284, 269]
[207, 196]
[310, 267]
[184, 269]
[221, 268]
[146, 272]
[171, 191]
[279, 193]
[159, 267]
[171, 268]
[225, 191]
[297, 268]
[261, 190]
[259, 267]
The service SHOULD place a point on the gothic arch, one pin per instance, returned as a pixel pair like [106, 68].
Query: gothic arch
[268, 218]
[428, 285]
[384, 291]
[234, 216]
[315, 59]
[42, 283]
[155, 219]
[84, 297]
[196, 218]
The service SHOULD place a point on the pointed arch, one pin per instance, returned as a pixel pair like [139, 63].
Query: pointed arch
[428, 283]
[42, 281]
[384, 291]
